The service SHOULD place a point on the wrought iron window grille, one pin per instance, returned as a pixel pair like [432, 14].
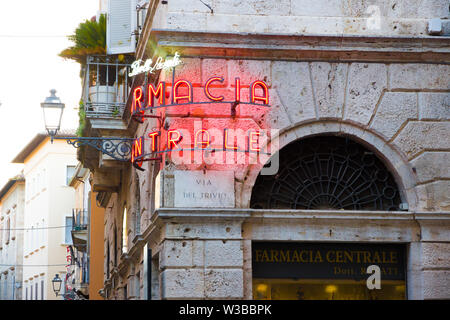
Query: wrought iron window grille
[327, 173]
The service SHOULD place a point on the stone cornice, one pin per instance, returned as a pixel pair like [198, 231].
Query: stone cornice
[271, 214]
[339, 48]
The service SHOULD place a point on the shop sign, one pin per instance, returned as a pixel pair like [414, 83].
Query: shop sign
[326, 260]
[138, 67]
[163, 140]
[211, 188]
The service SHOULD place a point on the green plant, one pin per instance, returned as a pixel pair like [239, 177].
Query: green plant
[82, 119]
[89, 39]
[115, 111]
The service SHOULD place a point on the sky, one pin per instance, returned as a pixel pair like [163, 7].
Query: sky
[32, 33]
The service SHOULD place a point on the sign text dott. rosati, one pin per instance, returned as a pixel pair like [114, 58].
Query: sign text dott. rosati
[167, 139]
[326, 261]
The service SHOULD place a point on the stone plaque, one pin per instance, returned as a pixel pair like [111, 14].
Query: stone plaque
[212, 189]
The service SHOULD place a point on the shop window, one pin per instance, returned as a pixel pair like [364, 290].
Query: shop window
[327, 173]
[326, 271]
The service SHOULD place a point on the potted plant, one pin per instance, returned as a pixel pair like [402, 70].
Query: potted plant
[90, 39]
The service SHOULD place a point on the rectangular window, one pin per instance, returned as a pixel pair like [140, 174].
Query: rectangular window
[42, 289]
[70, 170]
[31, 291]
[26, 293]
[68, 229]
[1, 234]
[8, 228]
[36, 288]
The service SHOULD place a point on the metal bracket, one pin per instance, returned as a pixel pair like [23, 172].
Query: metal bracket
[116, 147]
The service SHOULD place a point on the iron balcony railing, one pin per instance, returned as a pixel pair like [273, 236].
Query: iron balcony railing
[106, 86]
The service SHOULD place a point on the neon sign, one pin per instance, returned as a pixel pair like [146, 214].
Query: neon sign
[160, 64]
[175, 140]
[144, 97]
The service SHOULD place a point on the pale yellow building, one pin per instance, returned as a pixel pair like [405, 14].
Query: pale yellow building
[11, 238]
[49, 201]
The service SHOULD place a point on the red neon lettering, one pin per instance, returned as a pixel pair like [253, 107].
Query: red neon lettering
[237, 95]
[208, 94]
[153, 135]
[173, 141]
[175, 95]
[252, 141]
[203, 143]
[225, 143]
[136, 151]
[158, 92]
[254, 97]
[136, 106]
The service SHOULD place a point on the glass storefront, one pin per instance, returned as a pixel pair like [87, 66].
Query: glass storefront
[327, 271]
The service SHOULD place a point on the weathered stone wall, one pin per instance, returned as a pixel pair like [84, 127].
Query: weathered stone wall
[376, 17]
[202, 260]
[400, 111]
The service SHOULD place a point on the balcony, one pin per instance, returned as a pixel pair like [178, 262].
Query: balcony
[106, 86]
[80, 223]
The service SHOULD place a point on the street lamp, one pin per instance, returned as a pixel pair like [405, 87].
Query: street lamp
[118, 148]
[56, 283]
[53, 109]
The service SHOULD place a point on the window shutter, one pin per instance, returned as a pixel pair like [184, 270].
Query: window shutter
[121, 24]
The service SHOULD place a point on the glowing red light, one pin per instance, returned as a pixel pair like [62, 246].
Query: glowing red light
[208, 94]
[254, 97]
[153, 135]
[158, 92]
[138, 96]
[237, 94]
[137, 151]
[203, 143]
[225, 142]
[173, 141]
[175, 95]
[253, 140]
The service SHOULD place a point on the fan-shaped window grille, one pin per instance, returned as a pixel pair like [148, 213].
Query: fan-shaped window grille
[327, 173]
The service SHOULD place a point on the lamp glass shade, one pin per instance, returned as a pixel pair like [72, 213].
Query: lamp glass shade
[53, 109]
[56, 283]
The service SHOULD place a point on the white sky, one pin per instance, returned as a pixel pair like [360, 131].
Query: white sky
[32, 33]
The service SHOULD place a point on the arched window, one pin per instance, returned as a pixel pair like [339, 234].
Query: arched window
[327, 173]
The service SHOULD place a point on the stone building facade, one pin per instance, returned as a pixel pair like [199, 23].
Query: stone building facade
[359, 81]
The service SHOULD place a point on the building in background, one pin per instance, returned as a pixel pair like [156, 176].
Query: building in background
[49, 200]
[86, 272]
[12, 203]
[359, 103]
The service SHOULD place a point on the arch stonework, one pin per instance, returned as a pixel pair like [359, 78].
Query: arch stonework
[392, 157]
